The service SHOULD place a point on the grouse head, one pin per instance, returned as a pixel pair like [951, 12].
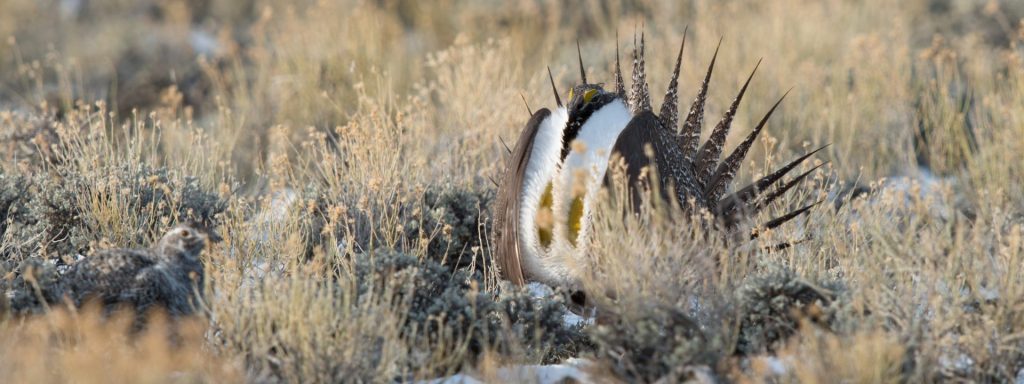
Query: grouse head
[185, 242]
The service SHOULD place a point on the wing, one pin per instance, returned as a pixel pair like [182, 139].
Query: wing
[507, 204]
[106, 271]
[120, 261]
[631, 147]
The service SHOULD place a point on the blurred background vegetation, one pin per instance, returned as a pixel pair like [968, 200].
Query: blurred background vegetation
[240, 69]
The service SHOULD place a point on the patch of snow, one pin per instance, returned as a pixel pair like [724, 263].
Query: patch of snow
[928, 183]
[560, 373]
[281, 202]
[776, 365]
[572, 319]
[920, 184]
[70, 8]
[256, 272]
[453, 379]
[203, 43]
[988, 294]
[956, 361]
[572, 369]
[539, 290]
[924, 186]
[267, 224]
[700, 374]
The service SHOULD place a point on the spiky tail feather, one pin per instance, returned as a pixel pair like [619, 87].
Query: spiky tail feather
[670, 107]
[732, 217]
[583, 72]
[558, 99]
[689, 137]
[707, 156]
[640, 95]
[620, 86]
[739, 202]
[776, 222]
[727, 169]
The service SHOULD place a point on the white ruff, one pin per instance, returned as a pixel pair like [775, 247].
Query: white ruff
[541, 168]
[597, 136]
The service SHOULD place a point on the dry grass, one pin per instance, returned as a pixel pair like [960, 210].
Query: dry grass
[85, 347]
[322, 125]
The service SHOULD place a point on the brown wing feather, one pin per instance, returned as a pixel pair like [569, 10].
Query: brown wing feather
[630, 147]
[107, 272]
[507, 203]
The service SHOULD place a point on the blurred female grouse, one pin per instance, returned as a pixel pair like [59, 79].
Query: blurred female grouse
[168, 275]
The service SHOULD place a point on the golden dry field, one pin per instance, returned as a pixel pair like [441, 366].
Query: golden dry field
[345, 150]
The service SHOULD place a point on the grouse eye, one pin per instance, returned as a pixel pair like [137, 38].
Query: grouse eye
[186, 233]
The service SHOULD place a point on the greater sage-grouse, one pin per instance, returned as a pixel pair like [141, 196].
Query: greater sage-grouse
[168, 275]
[559, 163]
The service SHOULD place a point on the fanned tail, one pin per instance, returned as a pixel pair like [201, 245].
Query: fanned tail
[701, 169]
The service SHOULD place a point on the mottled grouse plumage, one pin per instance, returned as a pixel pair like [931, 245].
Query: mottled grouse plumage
[169, 275]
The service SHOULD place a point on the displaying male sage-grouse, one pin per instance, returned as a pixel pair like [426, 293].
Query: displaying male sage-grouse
[168, 275]
[559, 163]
